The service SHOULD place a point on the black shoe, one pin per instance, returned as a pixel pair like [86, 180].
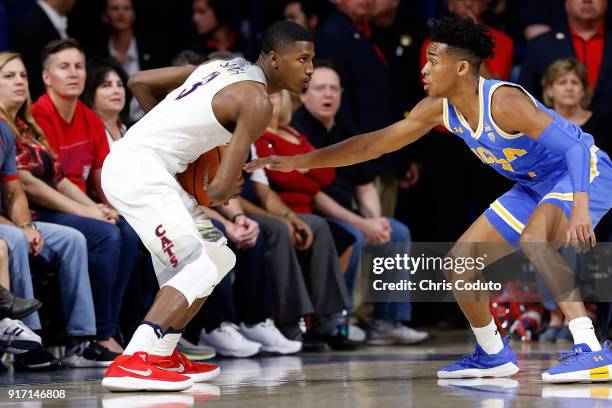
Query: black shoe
[88, 354]
[16, 307]
[39, 359]
[337, 342]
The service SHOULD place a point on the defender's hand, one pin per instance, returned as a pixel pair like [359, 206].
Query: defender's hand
[280, 163]
[580, 232]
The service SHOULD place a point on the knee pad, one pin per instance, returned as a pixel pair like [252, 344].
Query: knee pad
[224, 260]
[198, 278]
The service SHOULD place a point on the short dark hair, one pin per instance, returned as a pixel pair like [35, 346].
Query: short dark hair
[281, 33]
[56, 46]
[323, 63]
[97, 70]
[464, 37]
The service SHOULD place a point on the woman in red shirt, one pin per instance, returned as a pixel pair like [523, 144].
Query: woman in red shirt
[297, 188]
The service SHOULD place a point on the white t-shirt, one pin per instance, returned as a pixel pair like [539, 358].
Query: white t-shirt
[183, 126]
[259, 175]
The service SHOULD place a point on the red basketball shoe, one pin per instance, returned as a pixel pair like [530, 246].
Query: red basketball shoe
[137, 373]
[180, 364]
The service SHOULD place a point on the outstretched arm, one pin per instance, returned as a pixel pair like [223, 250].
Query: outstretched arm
[425, 115]
[151, 86]
[514, 111]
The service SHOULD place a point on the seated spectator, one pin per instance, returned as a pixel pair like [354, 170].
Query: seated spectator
[77, 135]
[56, 199]
[297, 188]
[54, 243]
[106, 93]
[238, 320]
[586, 38]
[496, 67]
[565, 88]
[317, 119]
[213, 21]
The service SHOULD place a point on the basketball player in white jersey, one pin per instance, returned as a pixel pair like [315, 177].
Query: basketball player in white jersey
[218, 102]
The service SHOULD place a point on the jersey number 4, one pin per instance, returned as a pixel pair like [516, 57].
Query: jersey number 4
[198, 84]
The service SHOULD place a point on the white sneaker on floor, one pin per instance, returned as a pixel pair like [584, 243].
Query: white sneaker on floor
[270, 338]
[229, 342]
[17, 337]
[383, 333]
[356, 333]
[407, 335]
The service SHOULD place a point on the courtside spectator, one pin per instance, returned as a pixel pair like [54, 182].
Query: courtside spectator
[317, 120]
[106, 93]
[584, 37]
[54, 243]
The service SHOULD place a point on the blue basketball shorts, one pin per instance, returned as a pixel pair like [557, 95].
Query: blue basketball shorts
[511, 212]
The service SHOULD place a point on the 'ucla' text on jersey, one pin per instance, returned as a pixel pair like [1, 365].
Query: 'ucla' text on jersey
[516, 156]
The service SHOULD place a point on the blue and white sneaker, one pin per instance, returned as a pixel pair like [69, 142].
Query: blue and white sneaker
[581, 365]
[480, 364]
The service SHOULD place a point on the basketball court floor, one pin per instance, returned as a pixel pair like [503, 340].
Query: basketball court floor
[372, 377]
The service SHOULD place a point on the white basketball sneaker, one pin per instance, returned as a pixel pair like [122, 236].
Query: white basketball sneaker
[229, 342]
[270, 338]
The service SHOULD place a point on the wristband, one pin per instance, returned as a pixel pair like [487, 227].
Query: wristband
[236, 216]
[287, 213]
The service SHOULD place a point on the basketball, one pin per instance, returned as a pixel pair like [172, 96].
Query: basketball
[200, 173]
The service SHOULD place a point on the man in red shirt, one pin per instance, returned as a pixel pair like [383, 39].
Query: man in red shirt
[496, 67]
[77, 136]
[585, 38]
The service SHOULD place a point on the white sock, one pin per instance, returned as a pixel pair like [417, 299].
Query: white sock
[167, 343]
[488, 338]
[583, 332]
[144, 338]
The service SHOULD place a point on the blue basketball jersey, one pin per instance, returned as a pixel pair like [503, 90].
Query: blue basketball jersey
[515, 156]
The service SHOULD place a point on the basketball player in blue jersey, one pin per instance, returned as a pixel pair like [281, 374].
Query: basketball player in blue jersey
[563, 187]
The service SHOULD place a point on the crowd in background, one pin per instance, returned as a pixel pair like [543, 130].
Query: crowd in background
[64, 67]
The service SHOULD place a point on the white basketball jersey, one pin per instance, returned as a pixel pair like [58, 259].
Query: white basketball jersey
[183, 126]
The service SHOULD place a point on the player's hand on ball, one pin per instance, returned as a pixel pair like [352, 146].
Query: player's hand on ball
[280, 163]
[580, 232]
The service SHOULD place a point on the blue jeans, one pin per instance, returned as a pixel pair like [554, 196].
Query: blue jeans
[65, 247]
[400, 233]
[104, 250]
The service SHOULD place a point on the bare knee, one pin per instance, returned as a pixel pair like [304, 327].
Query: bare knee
[530, 237]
